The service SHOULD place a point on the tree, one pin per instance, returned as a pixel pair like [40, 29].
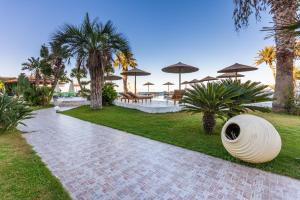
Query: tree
[34, 65]
[55, 59]
[78, 73]
[223, 99]
[23, 84]
[284, 13]
[122, 61]
[98, 43]
[267, 55]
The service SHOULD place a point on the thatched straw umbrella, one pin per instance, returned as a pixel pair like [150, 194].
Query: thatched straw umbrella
[208, 78]
[180, 68]
[194, 81]
[230, 75]
[235, 68]
[185, 83]
[148, 84]
[112, 77]
[168, 84]
[71, 87]
[135, 72]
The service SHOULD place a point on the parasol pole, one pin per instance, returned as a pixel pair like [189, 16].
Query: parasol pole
[135, 83]
[180, 79]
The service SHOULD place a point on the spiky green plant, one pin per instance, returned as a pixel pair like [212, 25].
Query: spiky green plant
[12, 112]
[224, 99]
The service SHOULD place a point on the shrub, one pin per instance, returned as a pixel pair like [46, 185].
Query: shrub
[224, 99]
[23, 84]
[109, 94]
[12, 112]
[37, 96]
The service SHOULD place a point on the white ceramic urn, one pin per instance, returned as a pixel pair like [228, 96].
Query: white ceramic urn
[251, 139]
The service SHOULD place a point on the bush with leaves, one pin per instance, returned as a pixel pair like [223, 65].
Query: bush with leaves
[12, 112]
[109, 94]
[224, 99]
[23, 84]
[37, 96]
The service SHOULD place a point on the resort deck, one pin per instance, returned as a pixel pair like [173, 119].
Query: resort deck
[157, 105]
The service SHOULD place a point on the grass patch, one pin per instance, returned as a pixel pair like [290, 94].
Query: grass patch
[22, 173]
[185, 130]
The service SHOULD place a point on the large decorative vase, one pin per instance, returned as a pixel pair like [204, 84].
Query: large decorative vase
[251, 139]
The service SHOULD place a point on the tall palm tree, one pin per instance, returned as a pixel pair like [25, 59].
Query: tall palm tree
[124, 62]
[55, 58]
[267, 55]
[34, 65]
[284, 12]
[98, 43]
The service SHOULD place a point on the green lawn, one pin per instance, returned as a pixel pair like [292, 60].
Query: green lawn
[185, 130]
[22, 173]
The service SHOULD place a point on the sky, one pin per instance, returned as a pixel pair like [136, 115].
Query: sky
[161, 32]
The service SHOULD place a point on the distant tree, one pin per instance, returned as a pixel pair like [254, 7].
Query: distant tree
[34, 66]
[124, 62]
[267, 55]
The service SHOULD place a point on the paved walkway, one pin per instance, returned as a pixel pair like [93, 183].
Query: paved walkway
[96, 162]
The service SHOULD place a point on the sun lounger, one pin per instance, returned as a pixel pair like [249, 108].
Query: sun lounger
[139, 97]
[177, 96]
[126, 97]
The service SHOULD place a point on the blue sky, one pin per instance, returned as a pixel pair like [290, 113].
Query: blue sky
[161, 32]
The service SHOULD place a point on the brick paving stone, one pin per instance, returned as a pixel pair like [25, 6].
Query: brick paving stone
[97, 162]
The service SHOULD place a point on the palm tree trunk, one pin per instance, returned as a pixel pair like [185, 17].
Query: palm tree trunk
[95, 67]
[285, 43]
[273, 71]
[125, 88]
[209, 122]
[96, 93]
[79, 82]
[37, 78]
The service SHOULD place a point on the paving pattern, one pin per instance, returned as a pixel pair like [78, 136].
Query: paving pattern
[97, 162]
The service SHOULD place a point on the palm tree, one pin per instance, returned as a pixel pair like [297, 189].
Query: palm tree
[78, 73]
[284, 13]
[267, 55]
[123, 62]
[223, 99]
[55, 58]
[98, 43]
[34, 65]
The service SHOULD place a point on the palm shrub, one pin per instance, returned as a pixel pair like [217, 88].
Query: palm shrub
[23, 84]
[223, 99]
[37, 96]
[109, 94]
[12, 112]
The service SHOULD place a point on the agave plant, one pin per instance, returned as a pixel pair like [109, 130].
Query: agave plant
[223, 99]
